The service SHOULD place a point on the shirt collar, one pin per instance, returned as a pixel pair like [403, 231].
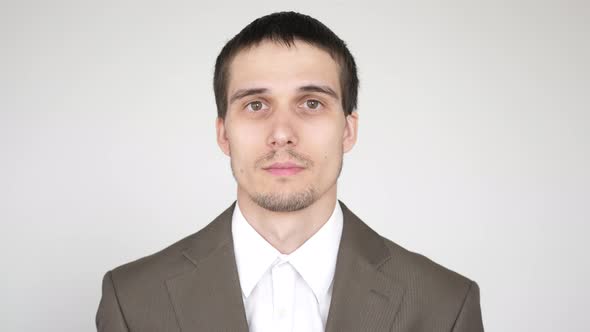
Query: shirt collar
[314, 260]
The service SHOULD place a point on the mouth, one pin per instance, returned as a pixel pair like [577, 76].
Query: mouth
[284, 171]
[284, 168]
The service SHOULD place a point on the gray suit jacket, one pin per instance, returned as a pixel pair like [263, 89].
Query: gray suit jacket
[193, 285]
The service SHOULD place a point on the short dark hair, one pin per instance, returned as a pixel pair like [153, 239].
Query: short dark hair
[285, 27]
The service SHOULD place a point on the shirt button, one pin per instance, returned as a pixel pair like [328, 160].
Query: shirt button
[282, 312]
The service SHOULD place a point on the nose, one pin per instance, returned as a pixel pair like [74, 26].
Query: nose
[282, 132]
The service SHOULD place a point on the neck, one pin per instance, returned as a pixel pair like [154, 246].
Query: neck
[287, 231]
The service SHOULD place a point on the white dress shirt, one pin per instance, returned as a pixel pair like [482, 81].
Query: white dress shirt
[286, 292]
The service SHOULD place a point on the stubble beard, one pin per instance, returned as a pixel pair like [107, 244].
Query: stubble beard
[286, 202]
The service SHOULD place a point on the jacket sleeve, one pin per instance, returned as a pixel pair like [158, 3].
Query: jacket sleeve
[109, 317]
[469, 318]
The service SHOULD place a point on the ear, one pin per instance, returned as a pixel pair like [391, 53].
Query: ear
[350, 131]
[222, 140]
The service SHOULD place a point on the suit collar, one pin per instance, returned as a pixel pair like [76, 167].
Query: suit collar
[363, 298]
[208, 297]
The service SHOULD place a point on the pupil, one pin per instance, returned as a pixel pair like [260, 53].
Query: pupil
[311, 103]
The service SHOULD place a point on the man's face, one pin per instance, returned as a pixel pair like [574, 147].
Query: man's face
[285, 105]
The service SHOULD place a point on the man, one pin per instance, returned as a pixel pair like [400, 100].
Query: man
[286, 255]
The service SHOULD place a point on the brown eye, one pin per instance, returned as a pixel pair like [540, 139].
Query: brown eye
[312, 104]
[255, 105]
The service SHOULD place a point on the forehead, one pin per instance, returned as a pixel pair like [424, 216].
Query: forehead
[276, 66]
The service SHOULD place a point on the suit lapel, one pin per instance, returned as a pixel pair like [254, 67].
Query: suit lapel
[363, 297]
[208, 297]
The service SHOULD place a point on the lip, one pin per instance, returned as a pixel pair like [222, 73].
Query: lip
[286, 168]
[283, 165]
[284, 171]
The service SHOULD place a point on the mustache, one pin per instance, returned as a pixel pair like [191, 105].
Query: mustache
[280, 155]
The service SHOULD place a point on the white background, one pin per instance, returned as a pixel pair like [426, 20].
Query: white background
[473, 149]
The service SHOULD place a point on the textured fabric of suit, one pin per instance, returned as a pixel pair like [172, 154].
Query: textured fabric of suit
[193, 285]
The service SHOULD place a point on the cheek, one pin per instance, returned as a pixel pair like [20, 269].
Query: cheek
[245, 148]
[328, 138]
[327, 149]
[243, 137]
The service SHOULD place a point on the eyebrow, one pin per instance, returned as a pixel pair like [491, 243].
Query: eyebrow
[306, 88]
[245, 93]
[319, 88]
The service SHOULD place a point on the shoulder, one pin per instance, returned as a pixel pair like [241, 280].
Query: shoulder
[151, 271]
[420, 275]
[129, 286]
[428, 282]
[434, 295]
[173, 259]
[158, 266]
